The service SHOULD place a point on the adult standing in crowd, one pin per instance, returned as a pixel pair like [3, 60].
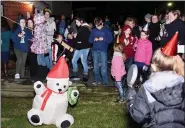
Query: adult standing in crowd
[100, 37]
[82, 46]
[50, 27]
[73, 24]
[5, 46]
[132, 23]
[40, 46]
[107, 23]
[20, 38]
[175, 25]
[148, 21]
[163, 32]
[62, 25]
[154, 30]
[32, 56]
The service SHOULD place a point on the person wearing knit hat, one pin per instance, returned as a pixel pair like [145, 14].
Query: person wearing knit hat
[148, 16]
[148, 22]
[51, 101]
[163, 89]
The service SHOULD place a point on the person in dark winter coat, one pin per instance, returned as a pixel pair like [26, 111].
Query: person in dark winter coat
[154, 32]
[175, 25]
[159, 103]
[82, 46]
[148, 21]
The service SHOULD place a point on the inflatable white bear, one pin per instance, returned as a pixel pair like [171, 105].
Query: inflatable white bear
[51, 102]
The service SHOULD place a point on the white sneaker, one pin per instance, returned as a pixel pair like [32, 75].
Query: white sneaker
[17, 76]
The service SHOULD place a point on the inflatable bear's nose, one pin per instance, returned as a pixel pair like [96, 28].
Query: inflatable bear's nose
[59, 90]
[75, 94]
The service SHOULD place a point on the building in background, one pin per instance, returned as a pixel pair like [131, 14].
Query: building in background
[12, 9]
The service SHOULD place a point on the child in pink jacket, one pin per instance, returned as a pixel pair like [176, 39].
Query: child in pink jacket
[143, 55]
[118, 69]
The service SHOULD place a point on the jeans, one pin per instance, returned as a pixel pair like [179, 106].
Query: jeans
[82, 54]
[20, 62]
[100, 66]
[49, 63]
[45, 60]
[129, 63]
[120, 88]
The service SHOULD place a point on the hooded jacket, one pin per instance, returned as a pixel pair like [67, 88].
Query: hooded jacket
[24, 47]
[101, 45]
[159, 103]
[82, 39]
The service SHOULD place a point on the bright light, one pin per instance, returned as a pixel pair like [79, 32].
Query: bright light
[28, 3]
[169, 4]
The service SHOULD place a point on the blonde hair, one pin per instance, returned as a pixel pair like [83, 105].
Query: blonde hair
[118, 47]
[161, 62]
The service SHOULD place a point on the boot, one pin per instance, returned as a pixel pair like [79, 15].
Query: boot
[85, 77]
[74, 76]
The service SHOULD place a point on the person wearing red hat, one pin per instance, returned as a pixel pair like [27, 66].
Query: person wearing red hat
[159, 103]
[128, 41]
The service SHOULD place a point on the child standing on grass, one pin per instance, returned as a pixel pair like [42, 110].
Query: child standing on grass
[118, 69]
[143, 55]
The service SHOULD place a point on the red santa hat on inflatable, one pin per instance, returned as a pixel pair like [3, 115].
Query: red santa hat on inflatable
[170, 49]
[60, 71]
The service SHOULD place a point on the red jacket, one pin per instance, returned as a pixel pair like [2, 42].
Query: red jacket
[128, 49]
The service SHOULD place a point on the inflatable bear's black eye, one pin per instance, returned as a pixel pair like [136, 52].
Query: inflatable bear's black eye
[64, 86]
[57, 84]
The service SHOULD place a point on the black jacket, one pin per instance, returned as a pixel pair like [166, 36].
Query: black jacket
[159, 103]
[82, 39]
[171, 29]
[154, 32]
[136, 31]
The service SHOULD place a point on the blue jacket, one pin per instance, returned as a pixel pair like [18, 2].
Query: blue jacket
[24, 47]
[5, 37]
[101, 45]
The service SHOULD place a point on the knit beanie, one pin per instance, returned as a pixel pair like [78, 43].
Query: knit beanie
[148, 16]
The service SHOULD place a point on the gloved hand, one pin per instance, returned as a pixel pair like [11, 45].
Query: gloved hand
[145, 68]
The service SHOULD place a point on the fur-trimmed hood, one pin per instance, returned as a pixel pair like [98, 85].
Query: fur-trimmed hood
[165, 87]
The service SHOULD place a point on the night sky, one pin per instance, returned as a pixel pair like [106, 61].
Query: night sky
[123, 8]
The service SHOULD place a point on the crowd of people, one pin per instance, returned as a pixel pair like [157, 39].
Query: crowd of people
[98, 43]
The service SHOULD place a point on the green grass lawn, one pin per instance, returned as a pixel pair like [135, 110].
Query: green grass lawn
[90, 112]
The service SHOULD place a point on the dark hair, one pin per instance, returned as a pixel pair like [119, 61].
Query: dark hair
[57, 34]
[155, 15]
[98, 21]
[4, 24]
[30, 19]
[70, 30]
[80, 19]
[146, 32]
